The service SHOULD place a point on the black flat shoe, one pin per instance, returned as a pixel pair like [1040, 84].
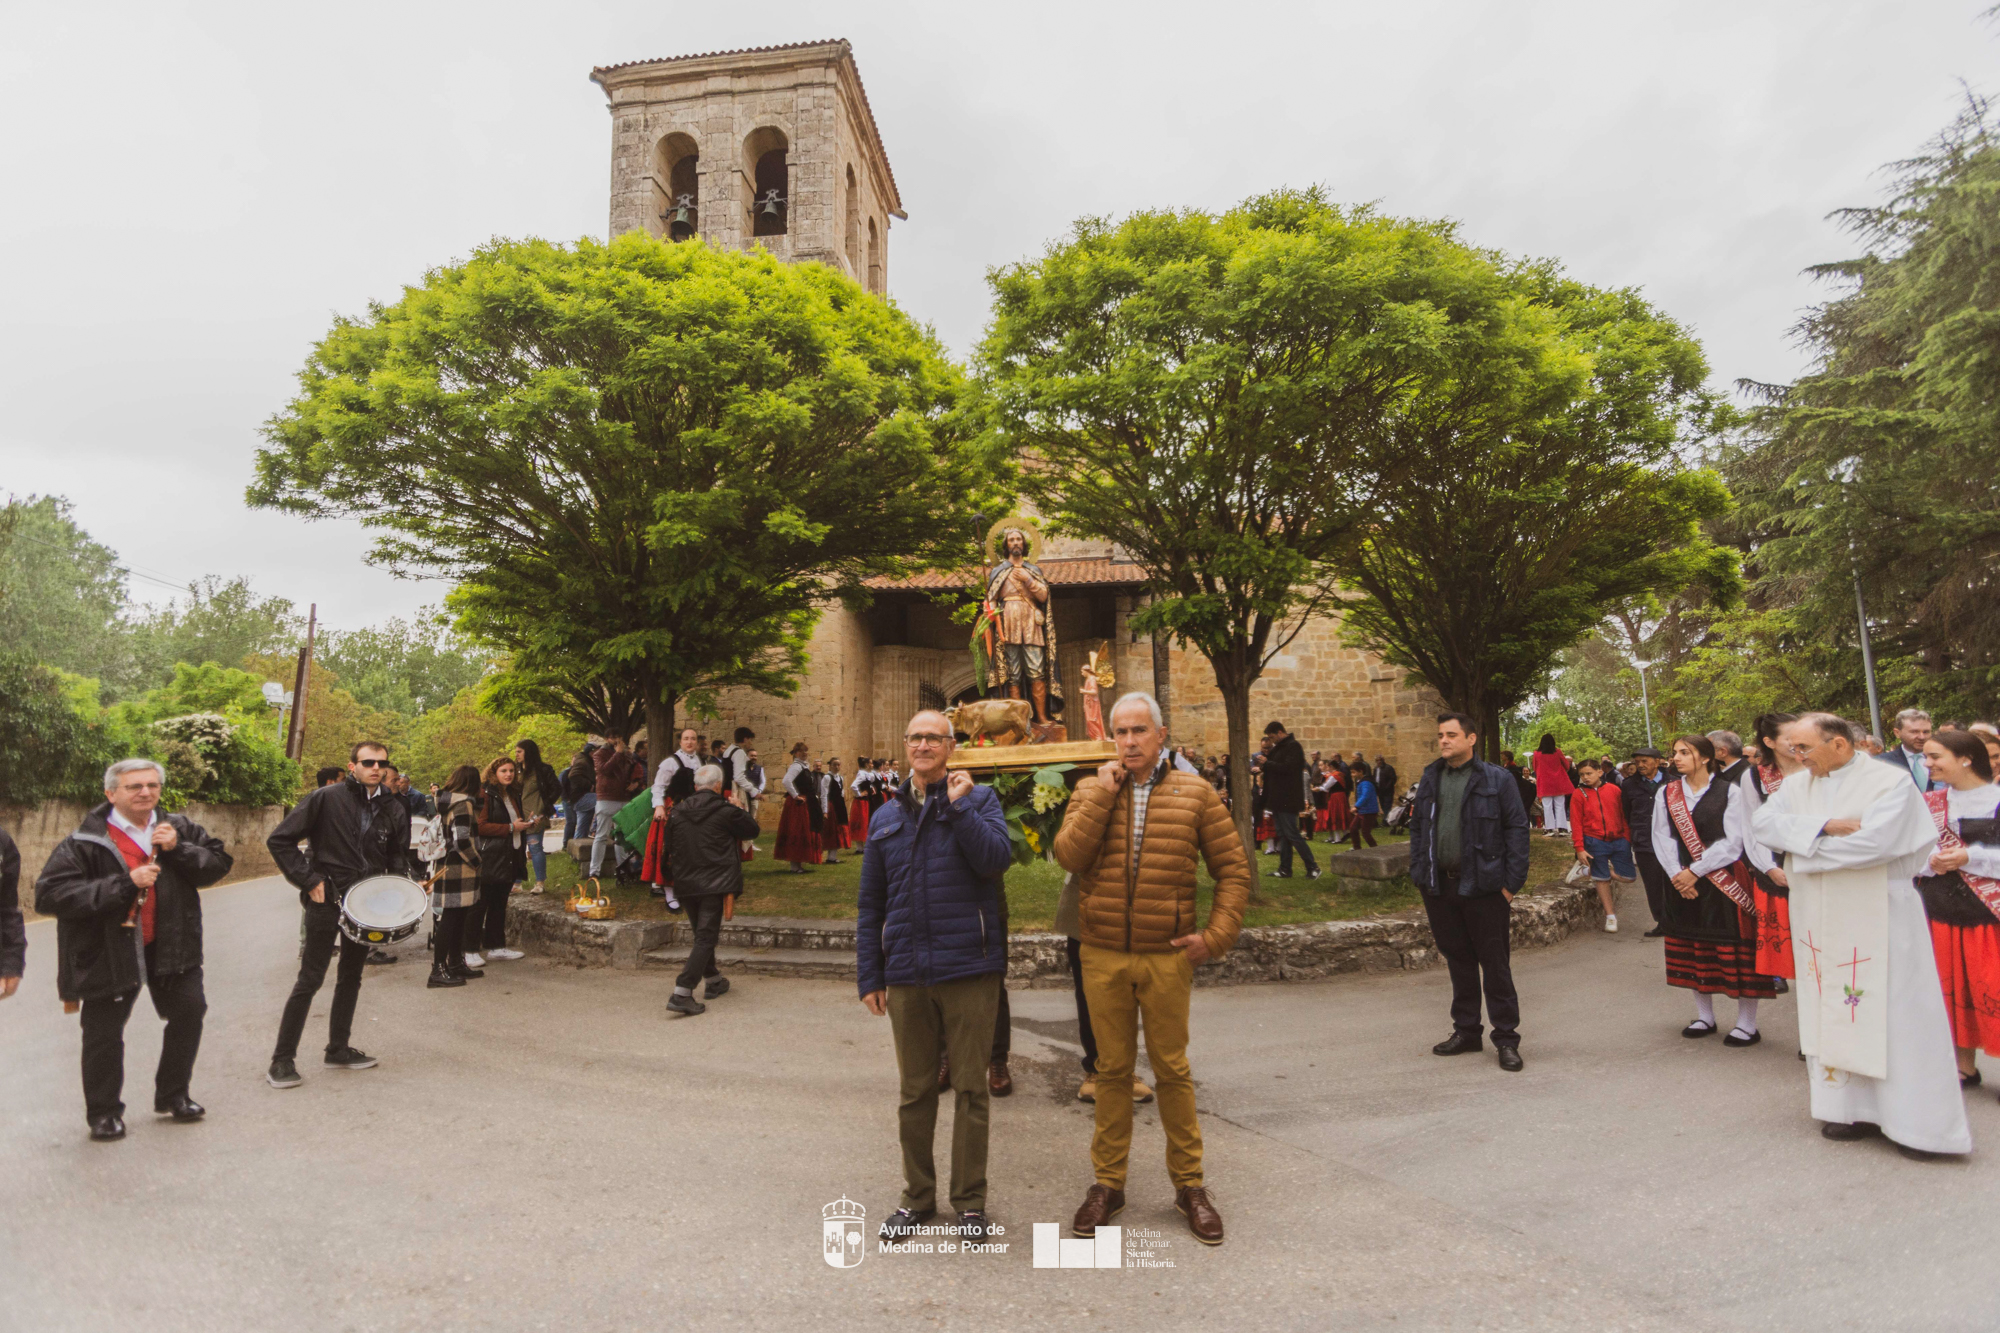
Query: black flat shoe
[1460, 1042]
[1860, 1129]
[1733, 1040]
[442, 977]
[1510, 1058]
[1654, 933]
[1971, 1080]
[184, 1109]
[1698, 1029]
[106, 1128]
[904, 1222]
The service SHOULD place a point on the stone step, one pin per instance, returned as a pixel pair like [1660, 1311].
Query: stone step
[774, 932]
[823, 964]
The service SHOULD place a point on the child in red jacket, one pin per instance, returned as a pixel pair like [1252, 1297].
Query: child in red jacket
[1603, 839]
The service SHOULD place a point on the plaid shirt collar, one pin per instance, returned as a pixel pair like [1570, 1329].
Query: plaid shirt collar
[1142, 795]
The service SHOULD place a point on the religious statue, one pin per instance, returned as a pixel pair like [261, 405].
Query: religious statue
[1096, 676]
[1023, 625]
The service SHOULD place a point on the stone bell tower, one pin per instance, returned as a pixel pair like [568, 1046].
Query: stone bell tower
[774, 146]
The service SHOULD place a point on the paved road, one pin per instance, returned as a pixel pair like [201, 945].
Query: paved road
[545, 1149]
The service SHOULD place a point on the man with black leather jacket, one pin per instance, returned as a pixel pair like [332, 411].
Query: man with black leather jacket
[1469, 856]
[356, 828]
[125, 892]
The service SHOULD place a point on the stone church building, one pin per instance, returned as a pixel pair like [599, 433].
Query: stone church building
[778, 147]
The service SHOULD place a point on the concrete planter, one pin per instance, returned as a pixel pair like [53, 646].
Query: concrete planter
[821, 948]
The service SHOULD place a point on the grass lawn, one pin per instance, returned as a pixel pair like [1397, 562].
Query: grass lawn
[828, 891]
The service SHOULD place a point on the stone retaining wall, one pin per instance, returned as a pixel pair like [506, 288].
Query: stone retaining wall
[242, 828]
[1396, 942]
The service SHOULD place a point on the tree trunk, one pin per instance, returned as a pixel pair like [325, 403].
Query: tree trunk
[1163, 678]
[660, 737]
[1234, 681]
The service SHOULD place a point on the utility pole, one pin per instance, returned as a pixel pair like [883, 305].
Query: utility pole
[295, 736]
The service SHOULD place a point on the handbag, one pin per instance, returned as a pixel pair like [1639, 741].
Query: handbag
[590, 903]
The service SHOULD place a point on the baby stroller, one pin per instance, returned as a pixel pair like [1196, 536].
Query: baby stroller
[1398, 817]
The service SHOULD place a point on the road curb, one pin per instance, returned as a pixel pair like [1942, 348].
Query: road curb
[1396, 942]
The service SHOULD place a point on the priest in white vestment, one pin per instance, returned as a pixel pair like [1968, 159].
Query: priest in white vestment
[1871, 1014]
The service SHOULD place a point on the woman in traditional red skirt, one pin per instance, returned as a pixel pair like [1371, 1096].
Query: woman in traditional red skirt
[1962, 893]
[1338, 819]
[1708, 916]
[1769, 888]
[857, 820]
[799, 824]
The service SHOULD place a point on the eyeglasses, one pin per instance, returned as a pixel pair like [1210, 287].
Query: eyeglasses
[371, 763]
[925, 740]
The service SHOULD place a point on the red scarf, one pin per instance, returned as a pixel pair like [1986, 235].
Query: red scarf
[135, 856]
[1730, 878]
[1988, 890]
[1770, 779]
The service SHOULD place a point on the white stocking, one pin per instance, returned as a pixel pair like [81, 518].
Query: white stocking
[1704, 1007]
[1746, 1017]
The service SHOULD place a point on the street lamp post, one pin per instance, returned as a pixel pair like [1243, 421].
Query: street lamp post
[1867, 659]
[1645, 700]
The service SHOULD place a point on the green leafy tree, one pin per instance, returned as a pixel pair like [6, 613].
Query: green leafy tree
[465, 732]
[218, 621]
[1193, 387]
[610, 705]
[62, 595]
[1522, 734]
[407, 667]
[1543, 480]
[47, 750]
[640, 461]
[1878, 464]
[335, 719]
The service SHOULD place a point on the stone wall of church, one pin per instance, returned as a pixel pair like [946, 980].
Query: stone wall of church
[1330, 696]
[832, 711]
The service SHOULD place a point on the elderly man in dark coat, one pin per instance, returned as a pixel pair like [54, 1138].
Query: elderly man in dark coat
[931, 953]
[124, 889]
[705, 834]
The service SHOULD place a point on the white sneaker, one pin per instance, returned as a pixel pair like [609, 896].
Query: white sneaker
[1611, 922]
[504, 955]
[474, 960]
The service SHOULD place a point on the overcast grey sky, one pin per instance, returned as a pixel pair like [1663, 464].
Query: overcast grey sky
[193, 190]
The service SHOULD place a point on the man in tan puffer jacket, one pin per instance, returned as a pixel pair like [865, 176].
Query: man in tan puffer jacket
[1130, 836]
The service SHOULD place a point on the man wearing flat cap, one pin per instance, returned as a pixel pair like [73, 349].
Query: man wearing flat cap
[1641, 790]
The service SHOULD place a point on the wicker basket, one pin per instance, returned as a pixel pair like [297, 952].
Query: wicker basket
[590, 903]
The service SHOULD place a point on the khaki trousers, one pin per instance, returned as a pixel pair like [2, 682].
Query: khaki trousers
[928, 1022]
[1120, 988]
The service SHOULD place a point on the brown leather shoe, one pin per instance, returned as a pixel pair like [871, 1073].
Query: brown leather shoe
[1193, 1203]
[998, 1081]
[1100, 1205]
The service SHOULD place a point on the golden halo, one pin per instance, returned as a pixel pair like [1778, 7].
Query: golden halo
[1030, 528]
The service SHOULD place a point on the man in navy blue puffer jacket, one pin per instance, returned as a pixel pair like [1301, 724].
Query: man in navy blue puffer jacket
[931, 953]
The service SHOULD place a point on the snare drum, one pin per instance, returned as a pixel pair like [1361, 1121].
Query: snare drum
[382, 909]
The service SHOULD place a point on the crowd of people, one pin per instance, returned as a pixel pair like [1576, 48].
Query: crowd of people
[1801, 861]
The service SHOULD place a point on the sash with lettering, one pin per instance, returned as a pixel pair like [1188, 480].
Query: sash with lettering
[1730, 878]
[1987, 890]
